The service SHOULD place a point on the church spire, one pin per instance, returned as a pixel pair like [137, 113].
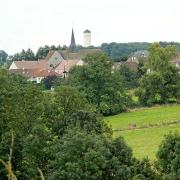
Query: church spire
[72, 46]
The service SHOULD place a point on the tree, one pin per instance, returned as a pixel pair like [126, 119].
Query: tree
[36, 152]
[102, 87]
[84, 156]
[89, 122]
[24, 55]
[141, 69]
[79, 155]
[161, 84]
[130, 79]
[21, 106]
[168, 157]
[121, 51]
[3, 57]
[43, 51]
[49, 81]
[159, 57]
[63, 104]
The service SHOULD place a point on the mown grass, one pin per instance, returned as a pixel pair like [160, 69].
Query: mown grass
[142, 117]
[145, 142]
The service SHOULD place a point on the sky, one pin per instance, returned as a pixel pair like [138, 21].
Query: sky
[34, 23]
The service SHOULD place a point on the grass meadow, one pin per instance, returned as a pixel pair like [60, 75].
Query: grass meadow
[145, 138]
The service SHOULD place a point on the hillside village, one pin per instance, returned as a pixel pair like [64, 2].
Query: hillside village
[59, 62]
[56, 63]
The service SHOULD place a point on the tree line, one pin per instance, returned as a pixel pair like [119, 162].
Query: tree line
[116, 51]
[121, 51]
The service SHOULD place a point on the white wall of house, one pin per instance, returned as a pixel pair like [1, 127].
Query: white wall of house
[177, 65]
[36, 79]
[13, 66]
[80, 63]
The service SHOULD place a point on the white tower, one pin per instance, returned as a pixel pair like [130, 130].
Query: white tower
[87, 38]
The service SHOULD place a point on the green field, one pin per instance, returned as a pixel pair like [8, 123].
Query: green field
[145, 142]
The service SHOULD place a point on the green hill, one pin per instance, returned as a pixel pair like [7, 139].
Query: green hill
[151, 126]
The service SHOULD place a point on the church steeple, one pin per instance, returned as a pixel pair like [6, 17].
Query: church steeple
[72, 46]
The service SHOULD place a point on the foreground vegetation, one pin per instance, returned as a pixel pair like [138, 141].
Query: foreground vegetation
[151, 126]
[61, 134]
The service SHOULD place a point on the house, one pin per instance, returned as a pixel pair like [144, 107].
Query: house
[136, 57]
[53, 65]
[65, 65]
[34, 75]
[176, 60]
[52, 59]
[56, 63]
[142, 56]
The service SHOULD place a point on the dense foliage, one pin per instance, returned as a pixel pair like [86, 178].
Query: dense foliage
[102, 87]
[168, 157]
[43, 51]
[121, 51]
[24, 55]
[3, 57]
[130, 77]
[161, 83]
[60, 134]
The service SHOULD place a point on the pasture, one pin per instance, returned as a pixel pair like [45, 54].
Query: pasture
[151, 126]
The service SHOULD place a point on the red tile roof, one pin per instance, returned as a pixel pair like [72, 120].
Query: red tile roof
[40, 64]
[66, 65]
[131, 65]
[29, 73]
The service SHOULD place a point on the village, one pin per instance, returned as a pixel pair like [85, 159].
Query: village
[58, 63]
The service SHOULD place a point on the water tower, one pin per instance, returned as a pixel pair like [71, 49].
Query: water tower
[87, 38]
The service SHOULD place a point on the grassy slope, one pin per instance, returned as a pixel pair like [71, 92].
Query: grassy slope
[145, 142]
[140, 117]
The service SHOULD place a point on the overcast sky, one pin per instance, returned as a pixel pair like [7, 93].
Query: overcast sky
[33, 23]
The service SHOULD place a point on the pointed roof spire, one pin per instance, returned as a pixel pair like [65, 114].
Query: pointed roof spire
[72, 46]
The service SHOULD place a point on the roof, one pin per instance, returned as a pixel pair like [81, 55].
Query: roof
[32, 73]
[87, 31]
[50, 53]
[80, 54]
[141, 53]
[66, 65]
[131, 65]
[40, 64]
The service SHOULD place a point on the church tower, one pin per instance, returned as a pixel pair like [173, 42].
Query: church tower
[72, 46]
[87, 38]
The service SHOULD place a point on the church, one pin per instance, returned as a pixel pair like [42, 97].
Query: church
[56, 63]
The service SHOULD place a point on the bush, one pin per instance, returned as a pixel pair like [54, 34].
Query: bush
[168, 157]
